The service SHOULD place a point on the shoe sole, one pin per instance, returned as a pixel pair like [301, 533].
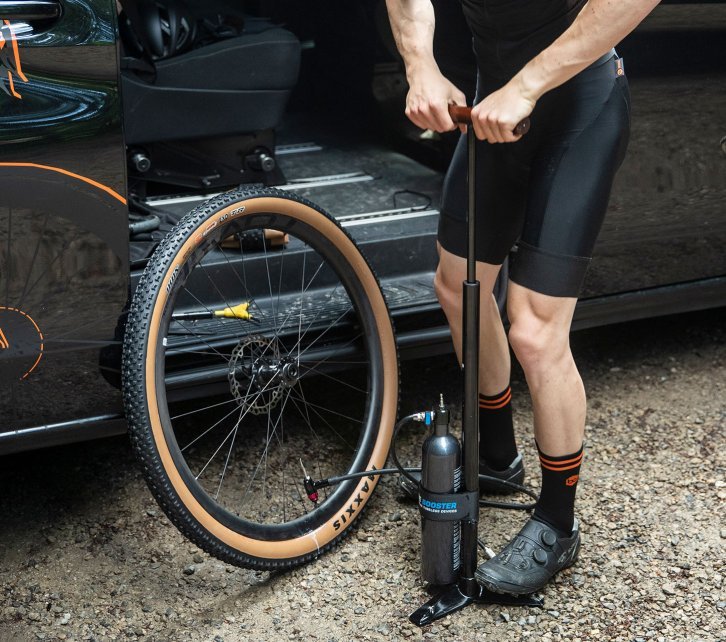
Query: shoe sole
[516, 589]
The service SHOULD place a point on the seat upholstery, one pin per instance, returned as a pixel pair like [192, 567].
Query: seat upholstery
[234, 86]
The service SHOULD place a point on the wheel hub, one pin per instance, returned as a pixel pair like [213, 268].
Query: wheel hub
[258, 374]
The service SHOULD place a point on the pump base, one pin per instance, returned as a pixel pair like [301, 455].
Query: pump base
[453, 599]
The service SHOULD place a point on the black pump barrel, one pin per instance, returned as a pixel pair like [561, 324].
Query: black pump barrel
[440, 473]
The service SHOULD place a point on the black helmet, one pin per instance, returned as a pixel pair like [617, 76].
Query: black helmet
[157, 28]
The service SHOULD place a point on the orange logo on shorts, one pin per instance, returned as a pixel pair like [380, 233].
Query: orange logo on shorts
[4, 345]
[571, 481]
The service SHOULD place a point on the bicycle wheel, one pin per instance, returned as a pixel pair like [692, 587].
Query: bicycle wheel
[244, 362]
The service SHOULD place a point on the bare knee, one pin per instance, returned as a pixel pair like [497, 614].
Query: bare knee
[447, 287]
[537, 342]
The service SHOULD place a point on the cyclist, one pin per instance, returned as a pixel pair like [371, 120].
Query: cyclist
[541, 201]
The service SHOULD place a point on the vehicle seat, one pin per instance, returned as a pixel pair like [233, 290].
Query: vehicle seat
[234, 86]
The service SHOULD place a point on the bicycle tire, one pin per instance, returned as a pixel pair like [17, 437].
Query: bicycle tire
[154, 325]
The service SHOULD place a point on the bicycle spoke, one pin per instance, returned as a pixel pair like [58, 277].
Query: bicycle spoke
[345, 383]
[41, 236]
[264, 454]
[269, 280]
[322, 334]
[203, 408]
[234, 270]
[209, 345]
[226, 461]
[325, 421]
[208, 430]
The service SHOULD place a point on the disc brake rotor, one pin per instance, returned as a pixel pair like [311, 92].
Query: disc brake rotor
[252, 374]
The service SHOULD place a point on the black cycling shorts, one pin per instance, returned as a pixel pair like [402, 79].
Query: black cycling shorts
[541, 201]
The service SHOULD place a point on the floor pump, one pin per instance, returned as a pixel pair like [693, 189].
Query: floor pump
[449, 491]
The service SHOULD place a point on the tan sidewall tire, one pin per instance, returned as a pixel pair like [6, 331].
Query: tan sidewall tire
[312, 543]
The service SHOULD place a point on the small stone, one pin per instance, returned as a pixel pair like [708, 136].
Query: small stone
[395, 517]
[65, 619]
[198, 559]
[359, 610]
[504, 616]
[151, 512]
[669, 589]
[531, 619]
[33, 617]
[189, 570]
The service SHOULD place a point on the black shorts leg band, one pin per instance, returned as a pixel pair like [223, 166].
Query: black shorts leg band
[546, 272]
[452, 235]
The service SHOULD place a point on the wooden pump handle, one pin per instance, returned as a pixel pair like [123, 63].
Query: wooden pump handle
[462, 116]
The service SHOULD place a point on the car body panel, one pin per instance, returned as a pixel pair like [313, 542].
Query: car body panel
[63, 217]
[666, 222]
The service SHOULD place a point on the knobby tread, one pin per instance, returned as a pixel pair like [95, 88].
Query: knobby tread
[134, 396]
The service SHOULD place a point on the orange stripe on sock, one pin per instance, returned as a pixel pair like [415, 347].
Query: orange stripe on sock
[499, 402]
[501, 405]
[553, 462]
[560, 469]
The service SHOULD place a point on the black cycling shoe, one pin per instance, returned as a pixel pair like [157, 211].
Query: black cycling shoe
[530, 560]
[514, 473]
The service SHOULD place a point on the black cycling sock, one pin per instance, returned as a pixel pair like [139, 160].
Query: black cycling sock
[497, 446]
[556, 503]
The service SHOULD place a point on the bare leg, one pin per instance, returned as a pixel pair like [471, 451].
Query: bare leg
[539, 336]
[494, 363]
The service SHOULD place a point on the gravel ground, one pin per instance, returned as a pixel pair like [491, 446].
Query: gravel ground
[85, 554]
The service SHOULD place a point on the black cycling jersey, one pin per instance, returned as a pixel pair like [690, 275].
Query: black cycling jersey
[548, 192]
[509, 33]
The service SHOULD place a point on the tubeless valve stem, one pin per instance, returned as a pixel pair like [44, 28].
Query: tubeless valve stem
[309, 485]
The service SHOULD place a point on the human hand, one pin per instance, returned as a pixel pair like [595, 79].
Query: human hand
[495, 118]
[428, 99]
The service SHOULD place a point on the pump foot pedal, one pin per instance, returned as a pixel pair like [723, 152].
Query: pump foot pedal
[453, 599]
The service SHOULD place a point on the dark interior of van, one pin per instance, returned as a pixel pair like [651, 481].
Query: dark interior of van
[304, 96]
